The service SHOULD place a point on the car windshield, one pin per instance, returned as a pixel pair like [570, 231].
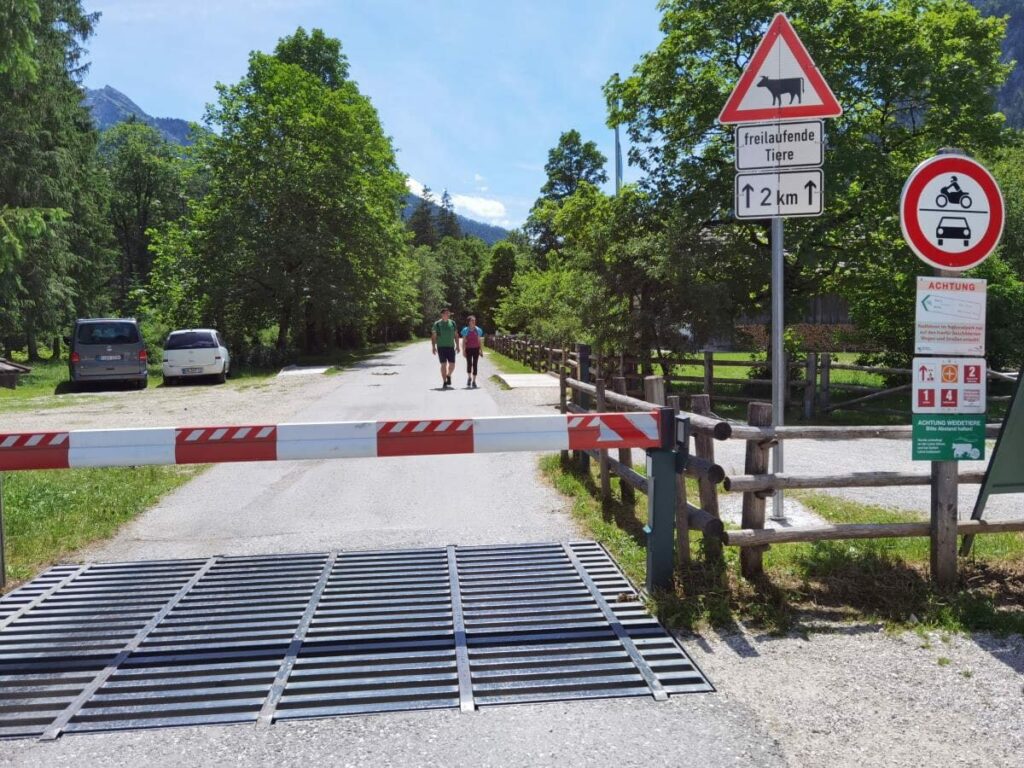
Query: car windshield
[108, 333]
[190, 340]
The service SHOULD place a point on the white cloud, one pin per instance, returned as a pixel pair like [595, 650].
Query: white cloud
[485, 208]
[475, 207]
[414, 186]
[478, 178]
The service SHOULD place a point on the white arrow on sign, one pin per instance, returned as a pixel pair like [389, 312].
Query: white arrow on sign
[785, 193]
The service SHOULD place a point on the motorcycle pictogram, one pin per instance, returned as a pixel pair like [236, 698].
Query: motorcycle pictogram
[952, 193]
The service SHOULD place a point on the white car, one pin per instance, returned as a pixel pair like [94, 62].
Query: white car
[195, 352]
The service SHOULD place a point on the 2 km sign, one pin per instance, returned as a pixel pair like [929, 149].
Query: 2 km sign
[780, 193]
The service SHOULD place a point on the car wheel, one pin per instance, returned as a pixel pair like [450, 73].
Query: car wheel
[940, 241]
[170, 381]
[142, 384]
[222, 376]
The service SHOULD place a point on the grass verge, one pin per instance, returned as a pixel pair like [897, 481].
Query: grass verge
[809, 586]
[50, 514]
[507, 364]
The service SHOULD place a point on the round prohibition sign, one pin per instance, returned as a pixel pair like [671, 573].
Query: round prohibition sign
[952, 212]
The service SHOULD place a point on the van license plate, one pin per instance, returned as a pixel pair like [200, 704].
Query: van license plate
[187, 371]
[106, 358]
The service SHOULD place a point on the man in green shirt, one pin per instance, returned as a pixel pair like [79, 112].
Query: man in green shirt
[444, 342]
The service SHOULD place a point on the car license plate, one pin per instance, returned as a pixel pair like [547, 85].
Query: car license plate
[106, 358]
[191, 370]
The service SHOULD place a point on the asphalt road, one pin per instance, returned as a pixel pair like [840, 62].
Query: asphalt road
[400, 502]
[302, 506]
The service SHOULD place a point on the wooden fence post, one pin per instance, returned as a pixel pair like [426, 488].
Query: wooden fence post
[626, 490]
[826, 382]
[704, 447]
[945, 500]
[709, 375]
[601, 405]
[682, 519]
[752, 558]
[563, 399]
[810, 385]
[583, 357]
[787, 382]
[654, 389]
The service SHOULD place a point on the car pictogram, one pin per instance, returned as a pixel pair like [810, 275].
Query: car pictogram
[953, 228]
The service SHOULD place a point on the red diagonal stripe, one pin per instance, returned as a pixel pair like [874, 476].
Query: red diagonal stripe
[426, 442]
[586, 435]
[49, 452]
[205, 450]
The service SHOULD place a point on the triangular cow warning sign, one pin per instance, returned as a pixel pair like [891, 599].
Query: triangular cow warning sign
[780, 82]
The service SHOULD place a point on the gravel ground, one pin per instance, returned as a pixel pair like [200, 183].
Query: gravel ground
[242, 401]
[843, 695]
[857, 696]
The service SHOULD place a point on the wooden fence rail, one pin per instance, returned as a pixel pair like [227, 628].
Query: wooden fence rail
[756, 484]
[810, 380]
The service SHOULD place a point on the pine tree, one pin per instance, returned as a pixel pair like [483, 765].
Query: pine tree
[422, 221]
[52, 195]
[447, 221]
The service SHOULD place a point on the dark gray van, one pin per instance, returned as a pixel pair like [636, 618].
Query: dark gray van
[108, 349]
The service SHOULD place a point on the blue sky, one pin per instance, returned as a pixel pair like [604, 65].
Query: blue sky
[474, 93]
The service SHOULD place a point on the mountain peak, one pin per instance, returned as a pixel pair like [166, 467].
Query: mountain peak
[109, 106]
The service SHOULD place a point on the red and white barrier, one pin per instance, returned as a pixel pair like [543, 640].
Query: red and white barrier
[353, 439]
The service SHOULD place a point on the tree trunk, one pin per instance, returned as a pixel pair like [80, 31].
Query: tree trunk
[283, 327]
[30, 342]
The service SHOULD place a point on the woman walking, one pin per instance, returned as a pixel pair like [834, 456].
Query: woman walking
[472, 348]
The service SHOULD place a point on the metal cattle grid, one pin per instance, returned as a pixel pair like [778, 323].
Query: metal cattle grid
[260, 639]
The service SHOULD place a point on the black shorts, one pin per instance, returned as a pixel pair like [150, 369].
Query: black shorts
[446, 354]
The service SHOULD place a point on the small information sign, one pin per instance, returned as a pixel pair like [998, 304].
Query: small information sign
[785, 193]
[949, 384]
[949, 437]
[950, 317]
[767, 146]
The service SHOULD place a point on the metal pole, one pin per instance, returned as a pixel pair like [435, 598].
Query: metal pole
[614, 105]
[778, 360]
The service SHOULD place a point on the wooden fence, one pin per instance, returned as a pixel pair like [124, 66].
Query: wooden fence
[583, 389]
[810, 382]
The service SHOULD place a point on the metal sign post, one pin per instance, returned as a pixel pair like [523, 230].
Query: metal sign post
[779, 153]
[778, 360]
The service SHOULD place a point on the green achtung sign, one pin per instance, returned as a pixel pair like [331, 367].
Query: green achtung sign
[949, 437]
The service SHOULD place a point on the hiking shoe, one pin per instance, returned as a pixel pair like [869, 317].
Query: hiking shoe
[469, 382]
[447, 381]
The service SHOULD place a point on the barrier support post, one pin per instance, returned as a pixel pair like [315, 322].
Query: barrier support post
[661, 506]
[562, 394]
[682, 426]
